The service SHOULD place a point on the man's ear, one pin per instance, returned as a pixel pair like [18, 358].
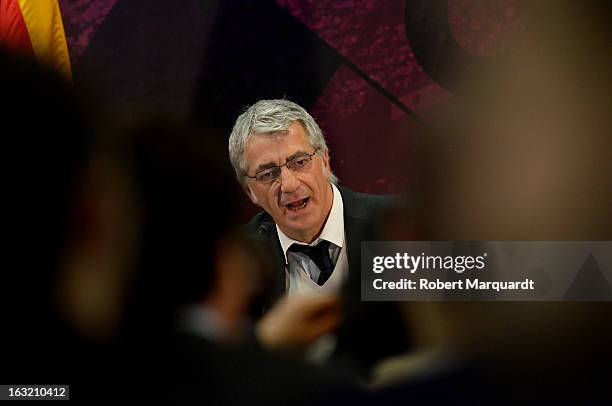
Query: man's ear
[249, 192]
[326, 167]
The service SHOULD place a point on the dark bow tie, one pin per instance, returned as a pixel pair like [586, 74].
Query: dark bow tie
[320, 256]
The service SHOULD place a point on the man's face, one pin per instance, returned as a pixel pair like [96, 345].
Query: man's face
[300, 201]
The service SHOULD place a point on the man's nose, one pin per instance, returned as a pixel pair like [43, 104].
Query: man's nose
[289, 182]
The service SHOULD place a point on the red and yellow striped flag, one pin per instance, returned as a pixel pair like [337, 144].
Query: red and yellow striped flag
[35, 27]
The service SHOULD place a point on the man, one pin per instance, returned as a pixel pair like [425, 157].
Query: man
[188, 305]
[315, 226]
[282, 161]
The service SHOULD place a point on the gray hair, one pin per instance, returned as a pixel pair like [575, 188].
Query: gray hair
[271, 117]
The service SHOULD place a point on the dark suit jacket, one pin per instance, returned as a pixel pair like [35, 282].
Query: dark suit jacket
[371, 330]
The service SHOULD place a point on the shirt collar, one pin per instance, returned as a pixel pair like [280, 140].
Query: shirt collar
[333, 230]
[204, 321]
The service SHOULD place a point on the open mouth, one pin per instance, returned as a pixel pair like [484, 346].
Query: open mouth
[298, 204]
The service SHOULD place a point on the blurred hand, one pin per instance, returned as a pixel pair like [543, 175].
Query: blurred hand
[296, 321]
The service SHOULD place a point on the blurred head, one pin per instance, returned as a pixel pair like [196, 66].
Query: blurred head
[279, 133]
[46, 146]
[188, 210]
[530, 161]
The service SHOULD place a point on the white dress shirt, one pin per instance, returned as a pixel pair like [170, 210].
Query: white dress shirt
[302, 272]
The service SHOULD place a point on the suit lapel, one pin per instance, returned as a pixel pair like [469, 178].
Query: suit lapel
[274, 242]
[282, 274]
[354, 226]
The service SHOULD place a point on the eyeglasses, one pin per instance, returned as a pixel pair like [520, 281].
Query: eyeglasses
[296, 164]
